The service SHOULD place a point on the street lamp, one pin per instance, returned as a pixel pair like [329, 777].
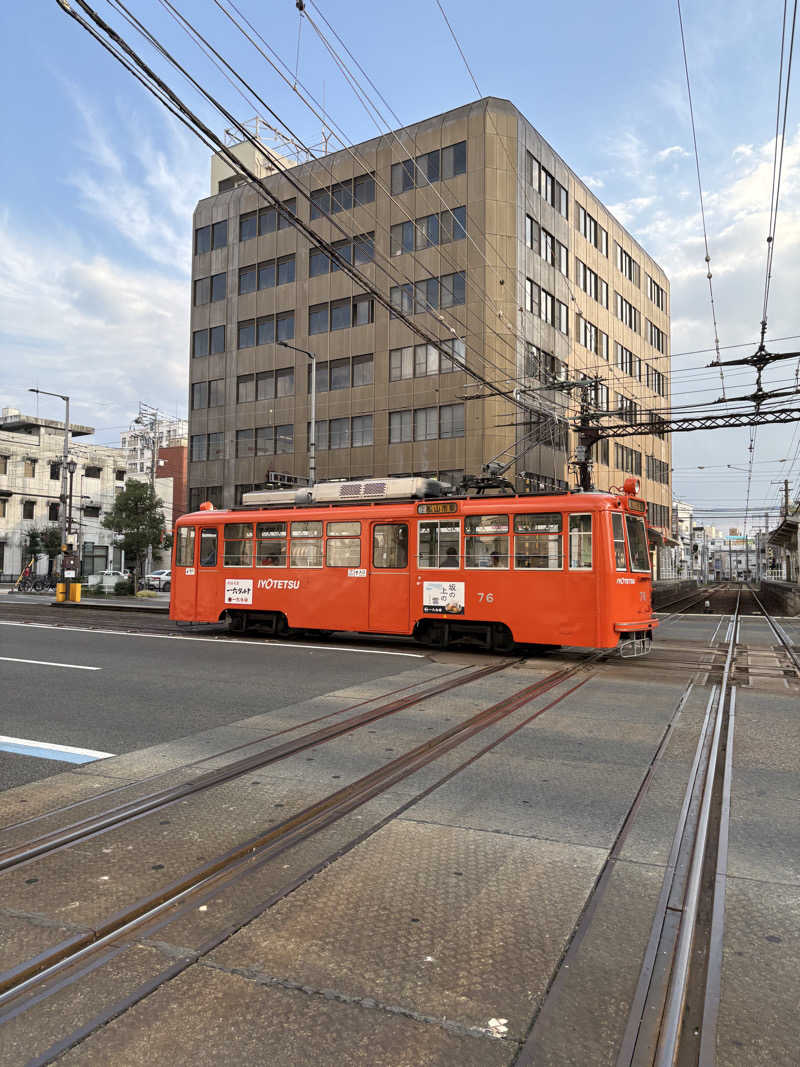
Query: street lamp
[61, 396]
[312, 434]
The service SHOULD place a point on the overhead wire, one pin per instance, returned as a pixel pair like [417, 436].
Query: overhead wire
[700, 193]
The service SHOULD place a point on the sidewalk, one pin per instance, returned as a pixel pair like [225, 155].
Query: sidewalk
[158, 603]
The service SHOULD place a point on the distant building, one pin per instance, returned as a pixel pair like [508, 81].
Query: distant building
[31, 453]
[472, 224]
[682, 518]
[137, 443]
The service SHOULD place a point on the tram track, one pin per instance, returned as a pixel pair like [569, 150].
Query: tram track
[27, 983]
[673, 1014]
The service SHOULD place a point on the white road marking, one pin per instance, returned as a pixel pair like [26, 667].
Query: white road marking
[186, 637]
[47, 663]
[45, 750]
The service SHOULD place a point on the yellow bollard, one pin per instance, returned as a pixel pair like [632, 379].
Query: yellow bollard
[75, 592]
[61, 592]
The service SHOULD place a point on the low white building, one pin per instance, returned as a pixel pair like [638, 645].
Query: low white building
[31, 453]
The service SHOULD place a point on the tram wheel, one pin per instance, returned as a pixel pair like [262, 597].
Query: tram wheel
[502, 638]
[236, 622]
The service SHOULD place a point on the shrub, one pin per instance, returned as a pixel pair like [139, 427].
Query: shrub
[123, 587]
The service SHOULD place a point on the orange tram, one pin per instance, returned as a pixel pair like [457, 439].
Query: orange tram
[407, 556]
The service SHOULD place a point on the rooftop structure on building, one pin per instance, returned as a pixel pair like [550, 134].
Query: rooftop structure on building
[471, 224]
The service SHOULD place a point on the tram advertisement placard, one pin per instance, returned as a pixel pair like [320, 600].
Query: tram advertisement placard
[443, 598]
[238, 590]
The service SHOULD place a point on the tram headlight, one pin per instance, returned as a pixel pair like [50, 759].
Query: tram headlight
[631, 486]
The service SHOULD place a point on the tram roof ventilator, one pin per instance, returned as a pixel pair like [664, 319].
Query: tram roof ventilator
[368, 491]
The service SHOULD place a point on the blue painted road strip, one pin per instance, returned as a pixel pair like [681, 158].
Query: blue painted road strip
[43, 750]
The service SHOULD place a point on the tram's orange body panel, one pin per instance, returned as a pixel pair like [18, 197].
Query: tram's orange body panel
[558, 570]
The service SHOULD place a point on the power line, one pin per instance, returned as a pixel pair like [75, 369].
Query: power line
[700, 193]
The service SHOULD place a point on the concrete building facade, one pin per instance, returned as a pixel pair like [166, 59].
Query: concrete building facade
[31, 453]
[472, 224]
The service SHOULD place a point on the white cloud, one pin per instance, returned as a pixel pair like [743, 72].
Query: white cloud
[673, 152]
[593, 183]
[105, 334]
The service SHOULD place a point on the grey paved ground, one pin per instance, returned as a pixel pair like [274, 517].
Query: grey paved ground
[152, 688]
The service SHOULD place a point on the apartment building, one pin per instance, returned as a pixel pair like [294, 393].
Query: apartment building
[31, 454]
[470, 223]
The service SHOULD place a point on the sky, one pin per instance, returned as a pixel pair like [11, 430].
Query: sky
[100, 182]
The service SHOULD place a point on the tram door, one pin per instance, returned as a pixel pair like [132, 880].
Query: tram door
[389, 595]
[208, 605]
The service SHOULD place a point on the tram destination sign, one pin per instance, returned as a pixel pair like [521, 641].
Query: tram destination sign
[637, 506]
[443, 507]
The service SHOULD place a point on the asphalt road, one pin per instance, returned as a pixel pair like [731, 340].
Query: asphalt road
[153, 688]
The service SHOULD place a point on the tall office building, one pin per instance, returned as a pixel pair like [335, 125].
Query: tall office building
[473, 226]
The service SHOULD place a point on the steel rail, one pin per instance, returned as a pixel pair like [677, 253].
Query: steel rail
[33, 972]
[778, 632]
[114, 817]
[672, 1020]
[62, 808]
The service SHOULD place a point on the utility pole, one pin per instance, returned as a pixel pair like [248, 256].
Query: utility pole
[64, 461]
[312, 432]
[785, 497]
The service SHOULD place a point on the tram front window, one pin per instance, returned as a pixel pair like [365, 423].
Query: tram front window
[637, 544]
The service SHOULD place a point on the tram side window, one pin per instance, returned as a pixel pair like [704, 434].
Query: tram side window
[208, 548]
[439, 542]
[538, 544]
[618, 533]
[486, 541]
[580, 542]
[238, 545]
[343, 547]
[184, 553]
[271, 544]
[390, 546]
[637, 543]
[306, 549]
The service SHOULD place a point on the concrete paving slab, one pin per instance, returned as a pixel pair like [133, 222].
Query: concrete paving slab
[247, 1022]
[759, 1024]
[585, 1015]
[24, 935]
[555, 800]
[772, 786]
[30, 1033]
[764, 838]
[650, 838]
[28, 801]
[627, 701]
[433, 920]
[561, 735]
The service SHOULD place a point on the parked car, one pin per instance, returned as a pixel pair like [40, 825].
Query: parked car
[159, 579]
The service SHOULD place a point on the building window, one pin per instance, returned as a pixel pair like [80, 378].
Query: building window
[119, 475]
[626, 264]
[245, 443]
[657, 338]
[216, 393]
[216, 445]
[627, 459]
[400, 426]
[202, 240]
[198, 448]
[343, 196]
[248, 225]
[361, 432]
[92, 472]
[284, 439]
[626, 312]
[28, 509]
[245, 388]
[55, 472]
[199, 343]
[52, 512]
[199, 395]
[216, 340]
[656, 294]
[429, 168]
[363, 310]
[451, 420]
[318, 318]
[219, 234]
[92, 511]
[592, 230]
[362, 370]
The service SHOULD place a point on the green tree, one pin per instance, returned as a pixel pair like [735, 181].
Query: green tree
[138, 520]
[44, 542]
